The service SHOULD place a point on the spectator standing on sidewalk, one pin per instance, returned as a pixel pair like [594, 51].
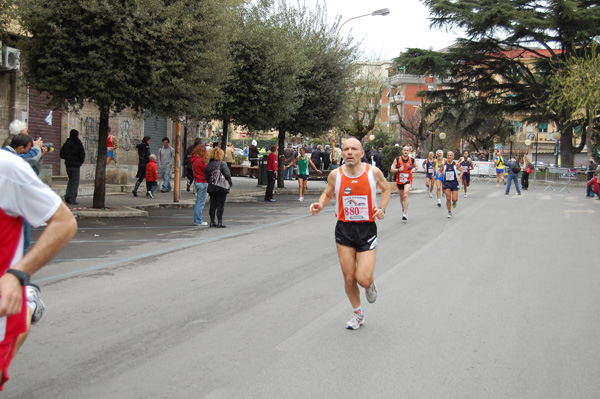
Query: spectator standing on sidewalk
[326, 157]
[143, 158]
[73, 153]
[336, 157]
[166, 160]
[591, 169]
[199, 159]
[217, 195]
[592, 187]
[316, 156]
[189, 169]
[229, 155]
[271, 174]
[111, 146]
[253, 156]
[151, 176]
[24, 195]
[288, 157]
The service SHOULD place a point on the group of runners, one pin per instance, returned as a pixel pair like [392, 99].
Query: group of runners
[443, 173]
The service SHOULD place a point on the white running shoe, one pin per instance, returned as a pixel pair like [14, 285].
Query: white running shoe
[301, 199]
[439, 204]
[356, 321]
[449, 215]
[371, 293]
[430, 196]
[34, 302]
[404, 216]
[465, 195]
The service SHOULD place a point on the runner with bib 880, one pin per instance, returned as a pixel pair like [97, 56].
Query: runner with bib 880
[354, 185]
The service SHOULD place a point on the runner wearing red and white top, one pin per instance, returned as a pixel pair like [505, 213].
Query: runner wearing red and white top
[24, 195]
[354, 185]
[404, 168]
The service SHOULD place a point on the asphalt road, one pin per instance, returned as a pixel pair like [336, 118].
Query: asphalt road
[500, 301]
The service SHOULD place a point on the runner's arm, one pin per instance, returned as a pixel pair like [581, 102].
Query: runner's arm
[61, 228]
[386, 192]
[327, 194]
[291, 164]
[393, 167]
[315, 168]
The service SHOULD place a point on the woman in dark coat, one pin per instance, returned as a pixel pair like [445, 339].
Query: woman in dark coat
[217, 195]
[143, 159]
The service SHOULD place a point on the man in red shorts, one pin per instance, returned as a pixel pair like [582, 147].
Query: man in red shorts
[24, 195]
[354, 185]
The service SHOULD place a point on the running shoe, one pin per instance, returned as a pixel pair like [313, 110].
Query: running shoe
[439, 204]
[430, 196]
[449, 215]
[404, 216]
[465, 195]
[150, 194]
[453, 204]
[497, 185]
[201, 224]
[34, 302]
[371, 293]
[356, 321]
[301, 199]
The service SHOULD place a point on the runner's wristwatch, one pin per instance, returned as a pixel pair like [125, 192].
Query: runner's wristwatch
[383, 209]
[23, 277]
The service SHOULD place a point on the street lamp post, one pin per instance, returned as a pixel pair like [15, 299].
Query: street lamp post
[383, 12]
[556, 147]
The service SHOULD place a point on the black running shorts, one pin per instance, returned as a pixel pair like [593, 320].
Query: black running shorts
[360, 236]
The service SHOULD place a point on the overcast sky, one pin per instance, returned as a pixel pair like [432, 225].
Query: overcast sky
[383, 38]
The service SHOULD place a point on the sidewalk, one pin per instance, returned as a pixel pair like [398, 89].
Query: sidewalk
[121, 203]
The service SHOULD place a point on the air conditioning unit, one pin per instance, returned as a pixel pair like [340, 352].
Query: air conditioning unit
[11, 58]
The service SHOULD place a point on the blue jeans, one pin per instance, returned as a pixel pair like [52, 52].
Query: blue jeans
[166, 175]
[511, 177]
[200, 199]
[289, 173]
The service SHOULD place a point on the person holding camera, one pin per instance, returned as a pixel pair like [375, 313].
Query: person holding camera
[74, 155]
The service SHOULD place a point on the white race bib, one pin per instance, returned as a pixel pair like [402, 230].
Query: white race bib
[356, 207]
[403, 178]
[449, 176]
[430, 170]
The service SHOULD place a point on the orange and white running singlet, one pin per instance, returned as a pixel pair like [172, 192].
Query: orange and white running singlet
[355, 196]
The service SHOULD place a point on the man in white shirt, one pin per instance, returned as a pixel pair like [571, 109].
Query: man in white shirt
[166, 160]
[25, 195]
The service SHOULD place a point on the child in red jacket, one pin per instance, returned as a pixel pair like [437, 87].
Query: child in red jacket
[592, 187]
[151, 176]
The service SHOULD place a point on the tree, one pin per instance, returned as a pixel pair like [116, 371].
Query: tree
[363, 102]
[287, 74]
[7, 14]
[143, 54]
[500, 35]
[576, 86]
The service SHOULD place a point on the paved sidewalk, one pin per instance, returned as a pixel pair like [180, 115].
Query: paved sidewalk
[120, 202]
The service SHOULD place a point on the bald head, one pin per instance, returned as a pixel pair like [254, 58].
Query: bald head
[353, 141]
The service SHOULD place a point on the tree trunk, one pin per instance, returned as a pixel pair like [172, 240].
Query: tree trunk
[225, 134]
[280, 163]
[100, 181]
